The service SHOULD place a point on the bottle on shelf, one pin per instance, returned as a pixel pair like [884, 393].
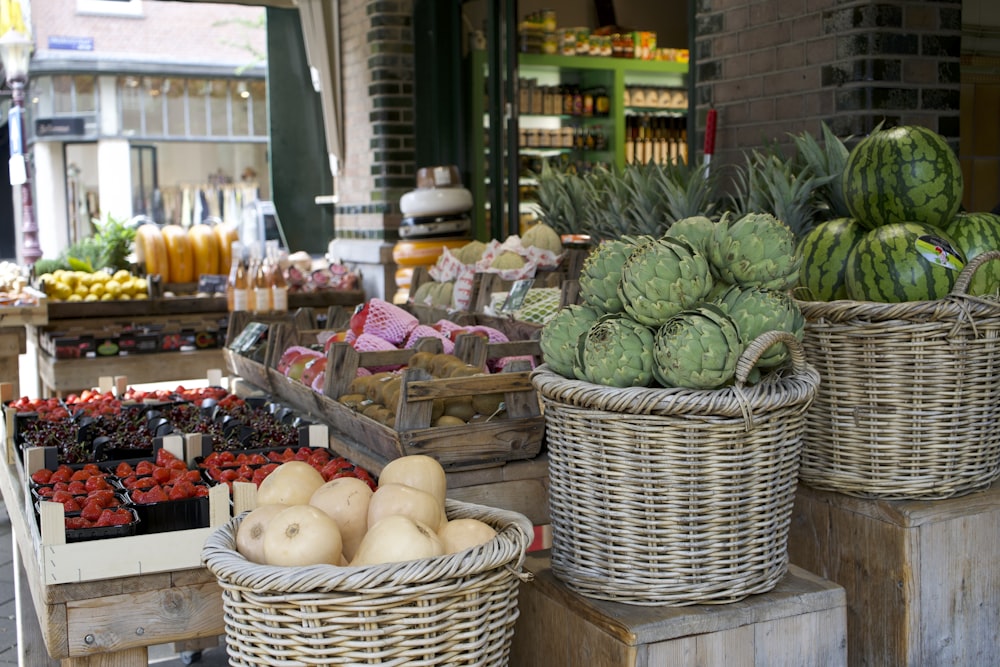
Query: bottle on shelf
[279, 286]
[260, 285]
[237, 291]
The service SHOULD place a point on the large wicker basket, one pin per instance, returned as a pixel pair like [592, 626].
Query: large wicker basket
[909, 405]
[452, 610]
[675, 496]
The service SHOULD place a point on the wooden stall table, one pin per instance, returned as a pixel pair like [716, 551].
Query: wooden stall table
[802, 621]
[922, 576]
[103, 603]
[14, 321]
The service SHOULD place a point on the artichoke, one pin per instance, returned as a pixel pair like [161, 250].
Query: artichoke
[559, 336]
[662, 278]
[697, 230]
[601, 272]
[756, 311]
[757, 250]
[697, 349]
[616, 352]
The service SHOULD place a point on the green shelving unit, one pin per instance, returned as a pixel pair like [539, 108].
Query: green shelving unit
[615, 75]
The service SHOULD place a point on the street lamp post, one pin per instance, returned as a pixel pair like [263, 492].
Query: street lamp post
[15, 52]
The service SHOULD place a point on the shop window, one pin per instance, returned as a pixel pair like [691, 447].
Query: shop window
[130, 106]
[154, 110]
[175, 107]
[241, 108]
[258, 108]
[219, 108]
[199, 91]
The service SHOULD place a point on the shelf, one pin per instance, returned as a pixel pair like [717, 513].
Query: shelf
[602, 63]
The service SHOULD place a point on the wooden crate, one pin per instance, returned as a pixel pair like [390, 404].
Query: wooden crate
[482, 444]
[800, 622]
[922, 577]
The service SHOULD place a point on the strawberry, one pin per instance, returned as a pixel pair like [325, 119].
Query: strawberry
[42, 476]
[124, 469]
[61, 496]
[118, 517]
[92, 511]
[181, 491]
[79, 476]
[164, 457]
[155, 495]
[161, 475]
[144, 467]
[103, 497]
[97, 482]
[77, 488]
[77, 523]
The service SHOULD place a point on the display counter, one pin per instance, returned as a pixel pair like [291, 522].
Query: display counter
[152, 340]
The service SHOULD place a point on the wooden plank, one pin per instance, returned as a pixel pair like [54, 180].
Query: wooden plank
[61, 375]
[114, 623]
[30, 640]
[13, 342]
[28, 314]
[778, 643]
[529, 497]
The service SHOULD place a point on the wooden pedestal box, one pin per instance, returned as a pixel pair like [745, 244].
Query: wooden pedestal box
[922, 578]
[801, 623]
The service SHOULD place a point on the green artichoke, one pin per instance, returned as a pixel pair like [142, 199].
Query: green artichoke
[559, 336]
[757, 250]
[756, 311]
[697, 230]
[602, 270]
[616, 352]
[697, 349]
[662, 278]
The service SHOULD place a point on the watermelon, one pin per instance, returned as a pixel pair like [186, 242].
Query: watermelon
[905, 261]
[903, 174]
[974, 234]
[824, 250]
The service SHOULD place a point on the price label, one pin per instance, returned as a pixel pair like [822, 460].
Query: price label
[515, 298]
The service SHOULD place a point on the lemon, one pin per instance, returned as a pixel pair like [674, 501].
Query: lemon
[61, 290]
[124, 296]
[141, 285]
[121, 275]
[140, 295]
[82, 290]
[86, 279]
[97, 289]
[74, 297]
[71, 278]
[91, 297]
[107, 297]
[114, 288]
[101, 276]
[128, 286]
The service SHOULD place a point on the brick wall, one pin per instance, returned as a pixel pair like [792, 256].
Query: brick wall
[379, 160]
[786, 66]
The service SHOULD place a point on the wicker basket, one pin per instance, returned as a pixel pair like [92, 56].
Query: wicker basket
[675, 496]
[909, 406]
[453, 610]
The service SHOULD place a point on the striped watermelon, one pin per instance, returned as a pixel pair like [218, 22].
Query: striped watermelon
[895, 263]
[974, 234]
[824, 251]
[903, 174]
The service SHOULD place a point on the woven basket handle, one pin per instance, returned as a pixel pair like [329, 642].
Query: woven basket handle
[965, 277]
[759, 345]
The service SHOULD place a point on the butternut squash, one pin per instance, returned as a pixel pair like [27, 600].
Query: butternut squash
[205, 246]
[180, 255]
[151, 251]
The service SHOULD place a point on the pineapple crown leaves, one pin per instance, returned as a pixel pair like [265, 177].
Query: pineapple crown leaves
[688, 190]
[827, 162]
[107, 248]
[769, 183]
